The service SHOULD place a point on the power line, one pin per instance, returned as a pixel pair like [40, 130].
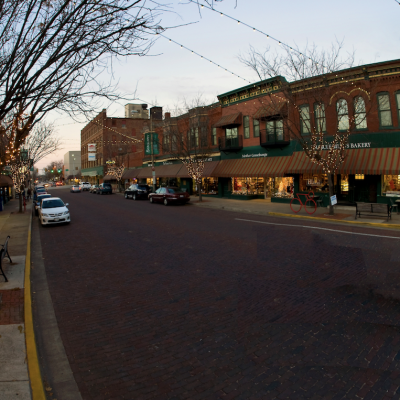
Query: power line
[204, 58]
[263, 33]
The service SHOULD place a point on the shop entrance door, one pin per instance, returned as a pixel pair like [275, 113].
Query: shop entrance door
[366, 190]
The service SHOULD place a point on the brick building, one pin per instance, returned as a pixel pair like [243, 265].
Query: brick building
[117, 139]
[253, 135]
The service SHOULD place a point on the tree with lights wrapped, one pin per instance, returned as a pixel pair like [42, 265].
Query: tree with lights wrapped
[187, 138]
[301, 106]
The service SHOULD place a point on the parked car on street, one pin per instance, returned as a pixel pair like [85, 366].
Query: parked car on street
[53, 211]
[85, 186]
[169, 195]
[137, 191]
[104, 188]
[38, 200]
[38, 190]
[76, 189]
[93, 189]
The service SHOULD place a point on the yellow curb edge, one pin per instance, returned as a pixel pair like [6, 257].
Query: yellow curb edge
[35, 376]
[379, 225]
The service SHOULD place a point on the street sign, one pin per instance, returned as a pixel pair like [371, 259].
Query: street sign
[333, 200]
[67, 169]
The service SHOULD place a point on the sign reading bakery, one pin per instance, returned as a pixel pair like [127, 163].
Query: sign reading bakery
[91, 147]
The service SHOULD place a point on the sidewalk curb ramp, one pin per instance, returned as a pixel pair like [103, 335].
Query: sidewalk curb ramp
[35, 376]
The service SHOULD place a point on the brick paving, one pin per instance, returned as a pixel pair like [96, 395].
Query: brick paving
[159, 302]
[11, 306]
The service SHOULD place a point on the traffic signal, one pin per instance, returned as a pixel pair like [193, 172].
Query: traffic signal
[59, 170]
[52, 171]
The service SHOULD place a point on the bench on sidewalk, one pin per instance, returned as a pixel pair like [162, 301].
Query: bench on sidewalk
[374, 210]
[3, 253]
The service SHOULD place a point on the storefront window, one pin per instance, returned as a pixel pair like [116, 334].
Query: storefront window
[247, 186]
[344, 184]
[209, 186]
[315, 183]
[281, 187]
[391, 185]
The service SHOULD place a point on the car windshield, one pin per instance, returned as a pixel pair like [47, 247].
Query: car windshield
[174, 190]
[53, 203]
[142, 187]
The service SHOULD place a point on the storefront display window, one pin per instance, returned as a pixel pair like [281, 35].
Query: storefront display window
[247, 186]
[315, 183]
[282, 187]
[344, 184]
[209, 186]
[391, 185]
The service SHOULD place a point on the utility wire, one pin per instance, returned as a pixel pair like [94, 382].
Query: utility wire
[263, 33]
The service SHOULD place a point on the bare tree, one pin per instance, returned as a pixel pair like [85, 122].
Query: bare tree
[307, 124]
[52, 52]
[296, 63]
[187, 139]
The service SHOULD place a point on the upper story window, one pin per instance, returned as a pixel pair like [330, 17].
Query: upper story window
[305, 119]
[231, 132]
[320, 120]
[398, 106]
[214, 136]
[275, 129]
[123, 123]
[114, 122]
[204, 136]
[256, 128]
[360, 114]
[342, 115]
[246, 127]
[385, 113]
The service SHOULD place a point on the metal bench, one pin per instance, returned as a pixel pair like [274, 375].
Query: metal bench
[3, 253]
[374, 210]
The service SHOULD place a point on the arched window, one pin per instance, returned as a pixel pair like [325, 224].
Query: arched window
[343, 115]
[360, 114]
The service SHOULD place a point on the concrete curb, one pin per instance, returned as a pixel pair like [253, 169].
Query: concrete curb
[373, 224]
[35, 376]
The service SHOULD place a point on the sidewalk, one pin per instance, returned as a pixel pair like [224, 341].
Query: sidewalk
[14, 378]
[343, 215]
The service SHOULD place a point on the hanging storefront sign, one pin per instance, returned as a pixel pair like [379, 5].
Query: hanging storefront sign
[91, 147]
[92, 157]
[110, 162]
[147, 143]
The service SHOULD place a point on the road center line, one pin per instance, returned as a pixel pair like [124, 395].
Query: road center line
[315, 227]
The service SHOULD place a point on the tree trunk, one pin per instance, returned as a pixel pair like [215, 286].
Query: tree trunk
[331, 189]
[199, 190]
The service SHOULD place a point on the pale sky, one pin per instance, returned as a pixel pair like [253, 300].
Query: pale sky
[370, 27]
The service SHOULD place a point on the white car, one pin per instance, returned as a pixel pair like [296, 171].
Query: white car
[53, 211]
[85, 186]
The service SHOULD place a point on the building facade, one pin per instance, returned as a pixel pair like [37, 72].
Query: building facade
[72, 165]
[256, 135]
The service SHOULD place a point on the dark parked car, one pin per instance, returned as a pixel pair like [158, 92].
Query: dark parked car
[137, 191]
[169, 195]
[38, 191]
[104, 188]
[38, 200]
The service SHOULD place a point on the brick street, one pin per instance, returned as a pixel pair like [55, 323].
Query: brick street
[157, 302]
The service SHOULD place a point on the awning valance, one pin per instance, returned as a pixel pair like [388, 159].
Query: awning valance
[357, 161]
[271, 110]
[209, 168]
[252, 167]
[6, 180]
[229, 120]
[109, 177]
[145, 173]
[168, 171]
[130, 173]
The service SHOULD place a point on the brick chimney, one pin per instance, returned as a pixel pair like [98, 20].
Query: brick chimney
[167, 115]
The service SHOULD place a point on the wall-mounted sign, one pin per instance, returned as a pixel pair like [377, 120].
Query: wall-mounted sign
[254, 155]
[92, 147]
[110, 162]
[348, 146]
[92, 157]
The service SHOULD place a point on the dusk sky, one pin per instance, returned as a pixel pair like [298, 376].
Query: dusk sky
[169, 74]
